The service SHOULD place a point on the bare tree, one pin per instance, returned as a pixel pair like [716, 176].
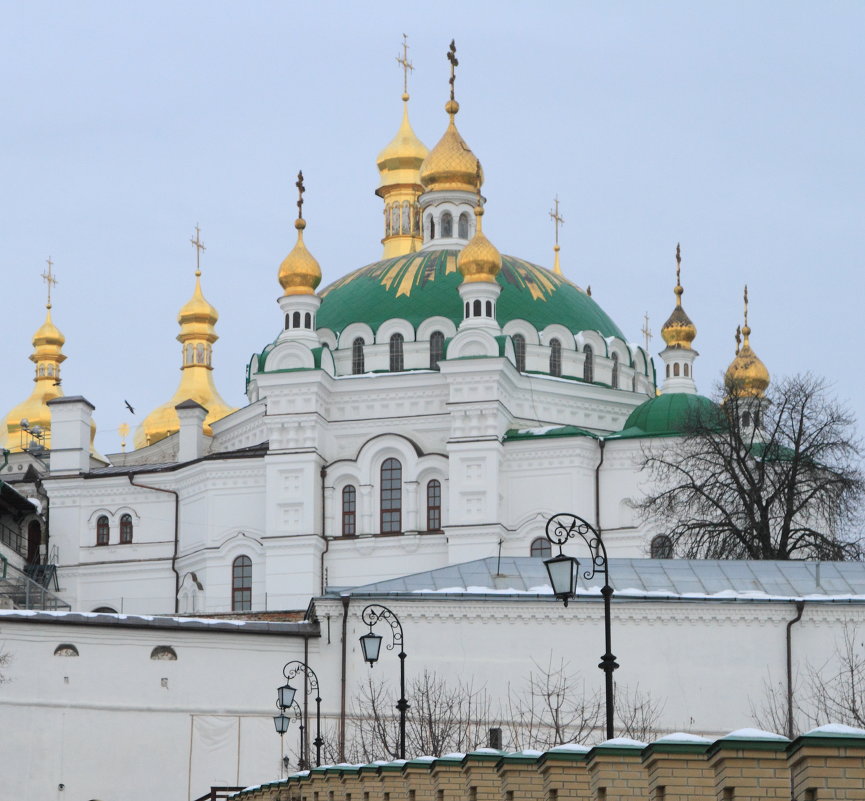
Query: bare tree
[761, 478]
[637, 713]
[5, 661]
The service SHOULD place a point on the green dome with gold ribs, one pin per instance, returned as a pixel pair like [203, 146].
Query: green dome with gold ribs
[425, 284]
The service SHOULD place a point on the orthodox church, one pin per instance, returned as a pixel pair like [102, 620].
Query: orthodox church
[426, 410]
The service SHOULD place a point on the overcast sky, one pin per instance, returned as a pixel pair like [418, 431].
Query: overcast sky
[736, 128]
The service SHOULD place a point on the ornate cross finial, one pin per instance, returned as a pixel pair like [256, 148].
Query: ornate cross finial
[406, 65]
[678, 264]
[746, 306]
[199, 246]
[452, 57]
[557, 218]
[646, 331]
[49, 279]
[300, 190]
[738, 337]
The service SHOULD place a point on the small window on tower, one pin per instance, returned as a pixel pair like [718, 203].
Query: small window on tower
[489, 308]
[676, 369]
[447, 225]
[432, 227]
[588, 364]
[307, 320]
[406, 217]
[615, 376]
[520, 352]
[555, 357]
[477, 308]
[357, 366]
[295, 320]
[687, 369]
[463, 226]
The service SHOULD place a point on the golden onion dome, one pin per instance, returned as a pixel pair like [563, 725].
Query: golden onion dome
[451, 165]
[479, 260]
[746, 376]
[299, 273]
[401, 159]
[48, 333]
[197, 309]
[679, 331]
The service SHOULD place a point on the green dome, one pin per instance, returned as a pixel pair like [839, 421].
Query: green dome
[425, 284]
[669, 414]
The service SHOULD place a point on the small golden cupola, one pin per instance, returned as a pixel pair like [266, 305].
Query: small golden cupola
[29, 423]
[678, 333]
[399, 186]
[747, 376]
[197, 319]
[451, 176]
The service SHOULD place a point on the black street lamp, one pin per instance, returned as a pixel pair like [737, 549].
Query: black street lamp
[285, 698]
[371, 646]
[563, 571]
[281, 722]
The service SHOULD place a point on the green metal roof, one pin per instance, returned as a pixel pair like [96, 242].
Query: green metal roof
[425, 284]
[667, 415]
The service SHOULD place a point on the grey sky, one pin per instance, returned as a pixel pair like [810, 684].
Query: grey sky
[735, 128]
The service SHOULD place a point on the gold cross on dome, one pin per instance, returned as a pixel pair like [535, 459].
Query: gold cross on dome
[646, 331]
[452, 57]
[199, 246]
[406, 65]
[746, 306]
[49, 279]
[678, 263]
[557, 219]
[300, 190]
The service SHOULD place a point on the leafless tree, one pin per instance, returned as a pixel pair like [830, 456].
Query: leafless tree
[637, 713]
[5, 661]
[761, 478]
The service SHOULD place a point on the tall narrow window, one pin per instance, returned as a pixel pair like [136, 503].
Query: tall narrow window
[675, 368]
[295, 320]
[436, 349]
[394, 219]
[391, 497]
[396, 357]
[357, 356]
[588, 364]
[241, 584]
[434, 505]
[463, 226]
[102, 530]
[432, 227]
[489, 308]
[687, 371]
[447, 225]
[406, 217]
[307, 320]
[520, 352]
[349, 511]
[126, 528]
[477, 308]
[615, 377]
[555, 357]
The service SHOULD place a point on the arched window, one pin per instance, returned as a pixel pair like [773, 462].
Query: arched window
[66, 649]
[477, 308]
[555, 357]
[287, 325]
[447, 225]
[588, 364]
[687, 370]
[295, 320]
[541, 548]
[432, 227]
[676, 369]
[746, 419]
[307, 320]
[661, 547]
[102, 530]
[406, 217]
[668, 371]
[125, 529]
[434, 505]
[396, 357]
[349, 511]
[357, 356]
[489, 308]
[463, 226]
[468, 310]
[615, 376]
[387, 220]
[436, 349]
[241, 584]
[520, 352]
[394, 219]
[391, 497]
[164, 653]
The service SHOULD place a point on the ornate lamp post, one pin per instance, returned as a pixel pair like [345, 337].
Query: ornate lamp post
[563, 571]
[285, 699]
[281, 722]
[371, 646]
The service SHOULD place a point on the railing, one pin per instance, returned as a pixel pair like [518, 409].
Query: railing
[14, 539]
[24, 593]
[217, 793]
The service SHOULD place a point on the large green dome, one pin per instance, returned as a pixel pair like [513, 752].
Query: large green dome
[425, 284]
[668, 415]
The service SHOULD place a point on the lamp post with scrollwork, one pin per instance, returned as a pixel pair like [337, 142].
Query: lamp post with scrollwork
[281, 722]
[563, 571]
[371, 646]
[285, 698]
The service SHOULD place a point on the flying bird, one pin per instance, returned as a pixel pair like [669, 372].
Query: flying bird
[129, 406]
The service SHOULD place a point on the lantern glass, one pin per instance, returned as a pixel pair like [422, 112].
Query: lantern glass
[280, 723]
[371, 645]
[286, 695]
[563, 575]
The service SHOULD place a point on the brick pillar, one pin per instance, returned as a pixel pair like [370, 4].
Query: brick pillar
[519, 778]
[391, 784]
[616, 771]
[481, 778]
[563, 773]
[677, 770]
[447, 777]
[750, 766]
[350, 787]
[828, 763]
[417, 780]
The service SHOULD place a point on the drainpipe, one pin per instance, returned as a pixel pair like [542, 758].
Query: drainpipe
[800, 607]
[601, 443]
[346, 599]
[323, 475]
[131, 476]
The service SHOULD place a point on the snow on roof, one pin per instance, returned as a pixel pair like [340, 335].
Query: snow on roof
[622, 742]
[572, 747]
[644, 579]
[835, 730]
[683, 737]
[753, 734]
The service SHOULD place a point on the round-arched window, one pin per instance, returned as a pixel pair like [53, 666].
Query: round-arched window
[541, 548]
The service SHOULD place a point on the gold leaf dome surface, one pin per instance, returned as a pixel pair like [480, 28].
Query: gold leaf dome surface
[399, 162]
[197, 310]
[451, 165]
[679, 331]
[479, 260]
[299, 273]
[747, 376]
